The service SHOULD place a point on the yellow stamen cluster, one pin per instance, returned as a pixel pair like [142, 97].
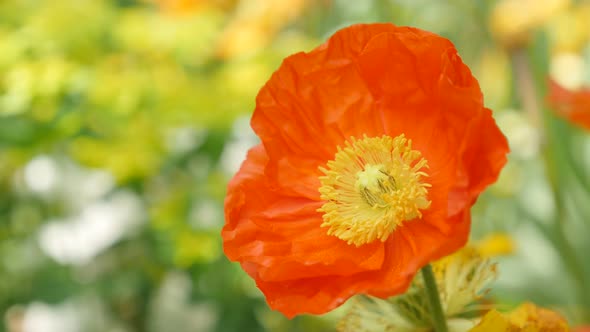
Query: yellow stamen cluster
[371, 187]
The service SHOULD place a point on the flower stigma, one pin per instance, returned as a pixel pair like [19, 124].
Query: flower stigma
[371, 187]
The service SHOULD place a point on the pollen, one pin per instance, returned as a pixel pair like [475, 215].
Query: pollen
[371, 187]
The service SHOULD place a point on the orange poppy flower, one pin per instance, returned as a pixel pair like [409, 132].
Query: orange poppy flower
[373, 148]
[572, 105]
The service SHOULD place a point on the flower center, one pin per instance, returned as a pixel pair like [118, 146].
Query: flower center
[371, 187]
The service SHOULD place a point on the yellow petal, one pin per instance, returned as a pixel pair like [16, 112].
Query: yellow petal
[526, 318]
[532, 318]
[493, 321]
[496, 244]
[512, 21]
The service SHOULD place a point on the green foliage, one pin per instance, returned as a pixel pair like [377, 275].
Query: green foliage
[119, 126]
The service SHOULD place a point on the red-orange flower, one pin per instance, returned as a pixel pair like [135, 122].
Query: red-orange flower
[572, 105]
[373, 148]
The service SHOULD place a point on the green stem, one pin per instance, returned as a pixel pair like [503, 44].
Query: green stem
[438, 318]
[560, 240]
[552, 154]
[525, 86]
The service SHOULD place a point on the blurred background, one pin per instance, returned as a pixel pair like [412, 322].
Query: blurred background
[121, 122]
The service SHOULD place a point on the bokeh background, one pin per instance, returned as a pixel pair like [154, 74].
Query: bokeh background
[122, 121]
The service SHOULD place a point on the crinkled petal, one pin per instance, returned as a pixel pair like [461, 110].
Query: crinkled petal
[405, 253]
[282, 235]
[368, 80]
[309, 107]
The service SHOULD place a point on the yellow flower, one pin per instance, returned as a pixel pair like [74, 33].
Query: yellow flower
[461, 277]
[372, 314]
[570, 30]
[512, 21]
[526, 318]
[495, 244]
[255, 23]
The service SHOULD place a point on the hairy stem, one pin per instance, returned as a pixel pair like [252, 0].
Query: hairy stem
[438, 318]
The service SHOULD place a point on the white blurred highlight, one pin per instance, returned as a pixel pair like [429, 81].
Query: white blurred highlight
[534, 259]
[76, 240]
[41, 174]
[524, 139]
[183, 139]
[568, 69]
[206, 214]
[235, 151]
[172, 309]
[40, 317]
